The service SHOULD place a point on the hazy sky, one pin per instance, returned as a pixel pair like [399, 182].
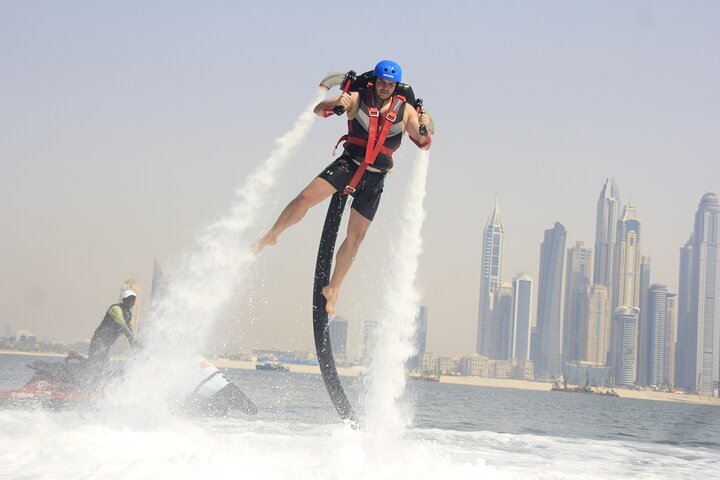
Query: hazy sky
[126, 126]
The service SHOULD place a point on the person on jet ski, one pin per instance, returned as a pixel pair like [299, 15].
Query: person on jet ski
[117, 321]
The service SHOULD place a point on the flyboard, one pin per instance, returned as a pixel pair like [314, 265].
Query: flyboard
[323, 266]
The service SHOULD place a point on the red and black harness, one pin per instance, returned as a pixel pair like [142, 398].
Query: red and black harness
[378, 130]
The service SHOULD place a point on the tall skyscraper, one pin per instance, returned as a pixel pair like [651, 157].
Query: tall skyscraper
[579, 262]
[608, 210]
[547, 354]
[522, 316]
[369, 332]
[671, 339]
[686, 329]
[643, 363]
[419, 338]
[625, 345]
[657, 318]
[705, 297]
[595, 329]
[490, 277]
[501, 332]
[339, 337]
[626, 285]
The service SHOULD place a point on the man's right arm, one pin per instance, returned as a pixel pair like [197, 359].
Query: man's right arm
[116, 314]
[346, 100]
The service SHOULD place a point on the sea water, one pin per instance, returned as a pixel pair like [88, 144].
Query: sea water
[457, 432]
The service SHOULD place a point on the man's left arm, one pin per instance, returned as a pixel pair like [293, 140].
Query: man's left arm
[413, 122]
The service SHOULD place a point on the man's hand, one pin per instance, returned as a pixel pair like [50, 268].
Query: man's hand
[425, 119]
[344, 101]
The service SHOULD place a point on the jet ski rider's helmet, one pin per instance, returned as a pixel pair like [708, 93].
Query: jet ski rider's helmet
[128, 294]
[388, 70]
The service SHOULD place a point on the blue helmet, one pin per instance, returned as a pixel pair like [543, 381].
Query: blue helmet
[388, 70]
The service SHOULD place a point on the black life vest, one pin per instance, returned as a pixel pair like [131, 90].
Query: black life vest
[357, 137]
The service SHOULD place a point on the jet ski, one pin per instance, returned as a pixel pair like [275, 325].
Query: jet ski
[69, 386]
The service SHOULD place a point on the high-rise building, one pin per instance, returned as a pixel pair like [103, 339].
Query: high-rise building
[670, 339]
[608, 211]
[626, 275]
[705, 298]
[501, 331]
[339, 337]
[595, 329]
[626, 285]
[490, 277]
[657, 318]
[522, 316]
[579, 262]
[686, 329]
[419, 338]
[643, 363]
[369, 332]
[625, 345]
[547, 354]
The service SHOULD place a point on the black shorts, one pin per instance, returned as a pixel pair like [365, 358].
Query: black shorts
[366, 198]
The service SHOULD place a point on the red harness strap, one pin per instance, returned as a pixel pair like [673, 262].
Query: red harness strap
[375, 141]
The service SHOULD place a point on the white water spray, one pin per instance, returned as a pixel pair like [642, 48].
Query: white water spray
[202, 283]
[393, 337]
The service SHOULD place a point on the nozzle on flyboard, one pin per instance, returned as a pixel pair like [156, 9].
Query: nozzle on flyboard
[332, 79]
[423, 128]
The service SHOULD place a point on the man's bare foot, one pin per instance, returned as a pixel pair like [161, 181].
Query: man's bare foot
[263, 242]
[331, 295]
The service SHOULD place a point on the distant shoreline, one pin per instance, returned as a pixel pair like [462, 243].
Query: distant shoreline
[449, 379]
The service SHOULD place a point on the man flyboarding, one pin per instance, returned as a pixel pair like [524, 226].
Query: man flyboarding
[377, 119]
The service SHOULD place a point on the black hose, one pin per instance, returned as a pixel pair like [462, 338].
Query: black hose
[320, 317]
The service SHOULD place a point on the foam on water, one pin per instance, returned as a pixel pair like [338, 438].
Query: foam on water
[42, 445]
[393, 337]
[200, 286]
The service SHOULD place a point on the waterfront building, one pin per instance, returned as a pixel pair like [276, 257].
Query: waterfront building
[501, 330]
[522, 316]
[626, 281]
[547, 353]
[369, 332]
[657, 318]
[419, 338]
[625, 351]
[671, 339]
[704, 318]
[643, 362]
[579, 273]
[686, 329]
[595, 327]
[474, 365]
[608, 211]
[490, 276]
[339, 337]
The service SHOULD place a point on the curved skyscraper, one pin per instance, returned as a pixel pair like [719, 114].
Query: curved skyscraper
[547, 351]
